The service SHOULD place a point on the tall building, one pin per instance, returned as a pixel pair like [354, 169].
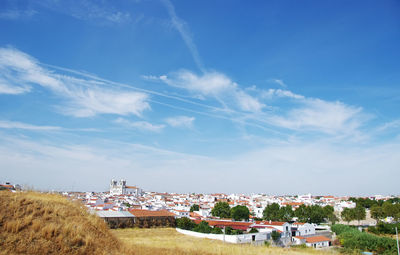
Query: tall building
[120, 188]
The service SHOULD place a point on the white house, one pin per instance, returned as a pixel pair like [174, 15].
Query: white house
[283, 227]
[181, 213]
[204, 211]
[318, 241]
[303, 229]
[297, 240]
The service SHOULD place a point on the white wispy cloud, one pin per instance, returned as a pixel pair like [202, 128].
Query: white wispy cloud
[279, 82]
[180, 121]
[83, 97]
[211, 83]
[184, 31]
[140, 125]
[6, 88]
[90, 102]
[320, 115]
[18, 125]
[395, 124]
[216, 85]
[247, 102]
[298, 112]
[88, 10]
[280, 93]
[16, 14]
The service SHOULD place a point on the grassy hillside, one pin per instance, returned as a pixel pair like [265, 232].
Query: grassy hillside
[170, 242]
[35, 223]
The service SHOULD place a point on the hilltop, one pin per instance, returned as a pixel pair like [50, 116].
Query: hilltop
[36, 223]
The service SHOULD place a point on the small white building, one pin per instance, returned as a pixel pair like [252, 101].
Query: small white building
[318, 241]
[303, 229]
[181, 213]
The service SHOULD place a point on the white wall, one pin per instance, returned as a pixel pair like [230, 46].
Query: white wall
[306, 229]
[245, 238]
[319, 244]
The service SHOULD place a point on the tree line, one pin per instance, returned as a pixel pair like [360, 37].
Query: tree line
[387, 209]
[310, 214]
[223, 210]
[367, 203]
[357, 213]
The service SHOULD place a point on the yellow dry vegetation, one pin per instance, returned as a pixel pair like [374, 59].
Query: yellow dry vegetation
[168, 241]
[36, 223]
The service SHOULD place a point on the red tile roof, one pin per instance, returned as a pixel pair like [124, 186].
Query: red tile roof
[7, 186]
[271, 223]
[317, 239]
[232, 224]
[147, 213]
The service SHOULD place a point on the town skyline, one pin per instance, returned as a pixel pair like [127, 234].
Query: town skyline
[204, 97]
[106, 189]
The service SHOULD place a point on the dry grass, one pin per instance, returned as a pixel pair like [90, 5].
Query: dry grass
[168, 241]
[35, 223]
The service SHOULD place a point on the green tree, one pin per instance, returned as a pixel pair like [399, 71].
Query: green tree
[316, 214]
[390, 209]
[194, 207]
[275, 235]
[347, 215]
[240, 212]
[377, 212]
[301, 213]
[203, 227]
[359, 213]
[222, 210]
[271, 212]
[329, 212]
[185, 223]
[286, 213]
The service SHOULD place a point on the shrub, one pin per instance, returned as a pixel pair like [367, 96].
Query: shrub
[352, 239]
[203, 227]
[228, 230]
[253, 230]
[237, 232]
[216, 230]
[185, 223]
[275, 235]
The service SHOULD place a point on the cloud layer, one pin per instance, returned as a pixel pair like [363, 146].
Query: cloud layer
[82, 97]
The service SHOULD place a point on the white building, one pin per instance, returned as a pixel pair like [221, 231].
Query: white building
[181, 213]
[303, 229]
[120, 188]
[318, 241]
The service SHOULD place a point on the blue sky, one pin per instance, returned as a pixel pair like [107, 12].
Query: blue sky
[278, 97]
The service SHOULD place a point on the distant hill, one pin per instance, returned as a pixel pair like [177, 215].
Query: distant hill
[35, 223]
